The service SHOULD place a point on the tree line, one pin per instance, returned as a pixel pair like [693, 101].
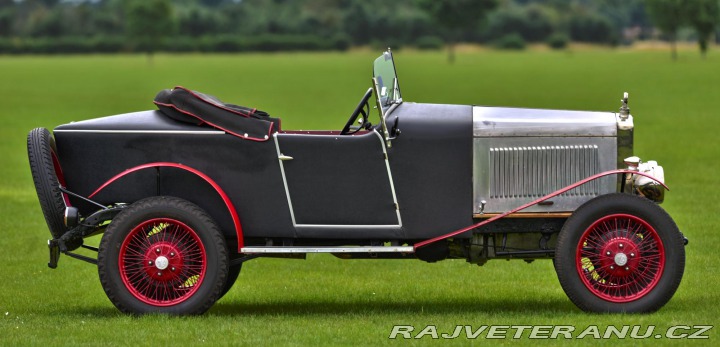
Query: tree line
[76, 26]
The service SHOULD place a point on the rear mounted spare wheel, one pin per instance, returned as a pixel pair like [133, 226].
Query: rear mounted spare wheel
[47, 176]
[164, 255]
[620, 253]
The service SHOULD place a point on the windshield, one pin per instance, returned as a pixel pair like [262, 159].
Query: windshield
[387, 88]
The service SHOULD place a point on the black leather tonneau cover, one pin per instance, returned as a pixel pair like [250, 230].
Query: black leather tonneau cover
[190, 106]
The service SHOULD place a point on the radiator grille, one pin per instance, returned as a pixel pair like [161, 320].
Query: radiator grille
[517, 172]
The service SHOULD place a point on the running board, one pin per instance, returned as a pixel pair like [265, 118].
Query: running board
[354, 249]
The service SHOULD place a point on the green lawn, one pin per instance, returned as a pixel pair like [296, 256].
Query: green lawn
[324, 300]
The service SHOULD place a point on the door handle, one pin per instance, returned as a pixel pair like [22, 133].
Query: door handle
[284, 157]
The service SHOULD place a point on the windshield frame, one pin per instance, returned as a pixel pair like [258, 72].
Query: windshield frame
[385, 80]
[386, 99]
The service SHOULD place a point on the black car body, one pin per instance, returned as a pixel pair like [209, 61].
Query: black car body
[429, 181]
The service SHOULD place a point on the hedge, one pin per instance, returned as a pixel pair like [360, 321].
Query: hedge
[216, 43]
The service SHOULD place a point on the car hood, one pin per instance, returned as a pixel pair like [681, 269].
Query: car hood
[506, 121]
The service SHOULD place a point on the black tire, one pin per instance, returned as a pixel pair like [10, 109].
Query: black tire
[42, 155]
[233, 274]
[620, 253]
[163, 255]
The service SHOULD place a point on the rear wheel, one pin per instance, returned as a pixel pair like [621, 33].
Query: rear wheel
[620, 253]
[165, 255]
[233, 274]
[47, 176]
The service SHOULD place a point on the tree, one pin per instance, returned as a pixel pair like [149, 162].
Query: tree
[668, 16]
[199, 21]
[7, 16]
[148, 23]
[704, 16]
[533, 22]
[456, 16]
[358, 21]
[591, 27]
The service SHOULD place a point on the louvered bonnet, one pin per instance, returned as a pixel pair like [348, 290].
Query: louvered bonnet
[523, 154]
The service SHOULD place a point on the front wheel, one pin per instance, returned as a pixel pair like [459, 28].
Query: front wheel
[620, 253]
[164, 255]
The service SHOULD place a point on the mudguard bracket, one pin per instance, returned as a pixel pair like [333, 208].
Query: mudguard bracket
[54, 253]
[73, 238]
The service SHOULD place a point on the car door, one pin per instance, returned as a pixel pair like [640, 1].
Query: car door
[338, 185]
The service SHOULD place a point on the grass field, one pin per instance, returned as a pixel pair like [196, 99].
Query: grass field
[323, 300]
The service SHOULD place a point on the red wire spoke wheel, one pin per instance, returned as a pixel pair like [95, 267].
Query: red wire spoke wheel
[620, 253]
[162, 262]
[620, 258]
[165, 255]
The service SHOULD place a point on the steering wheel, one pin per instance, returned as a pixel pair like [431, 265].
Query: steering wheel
[360, 108]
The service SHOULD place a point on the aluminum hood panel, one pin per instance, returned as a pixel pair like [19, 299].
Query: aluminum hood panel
[522, 122]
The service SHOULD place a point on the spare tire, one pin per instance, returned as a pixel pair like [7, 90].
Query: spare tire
[47, 175]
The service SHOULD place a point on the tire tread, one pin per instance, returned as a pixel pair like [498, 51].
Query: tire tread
[40, 145]
[670, 235]
[218, 243]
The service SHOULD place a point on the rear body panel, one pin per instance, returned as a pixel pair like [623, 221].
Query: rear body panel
[94, 151]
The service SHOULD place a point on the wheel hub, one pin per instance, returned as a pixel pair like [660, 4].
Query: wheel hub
[619, 256]
[620, 259]
[163, 261]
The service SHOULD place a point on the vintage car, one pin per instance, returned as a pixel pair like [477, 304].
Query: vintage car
[186, 194]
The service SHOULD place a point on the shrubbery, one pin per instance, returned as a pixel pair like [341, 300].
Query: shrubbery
[510, 41]
[64, 45]
[429, 42]
[592, 28]
[533, 23]
[210, 43]
[381, 45]
[558, 41]
[52, 26]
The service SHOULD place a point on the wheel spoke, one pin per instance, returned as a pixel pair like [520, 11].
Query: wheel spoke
[179, 244]
[627, 277]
